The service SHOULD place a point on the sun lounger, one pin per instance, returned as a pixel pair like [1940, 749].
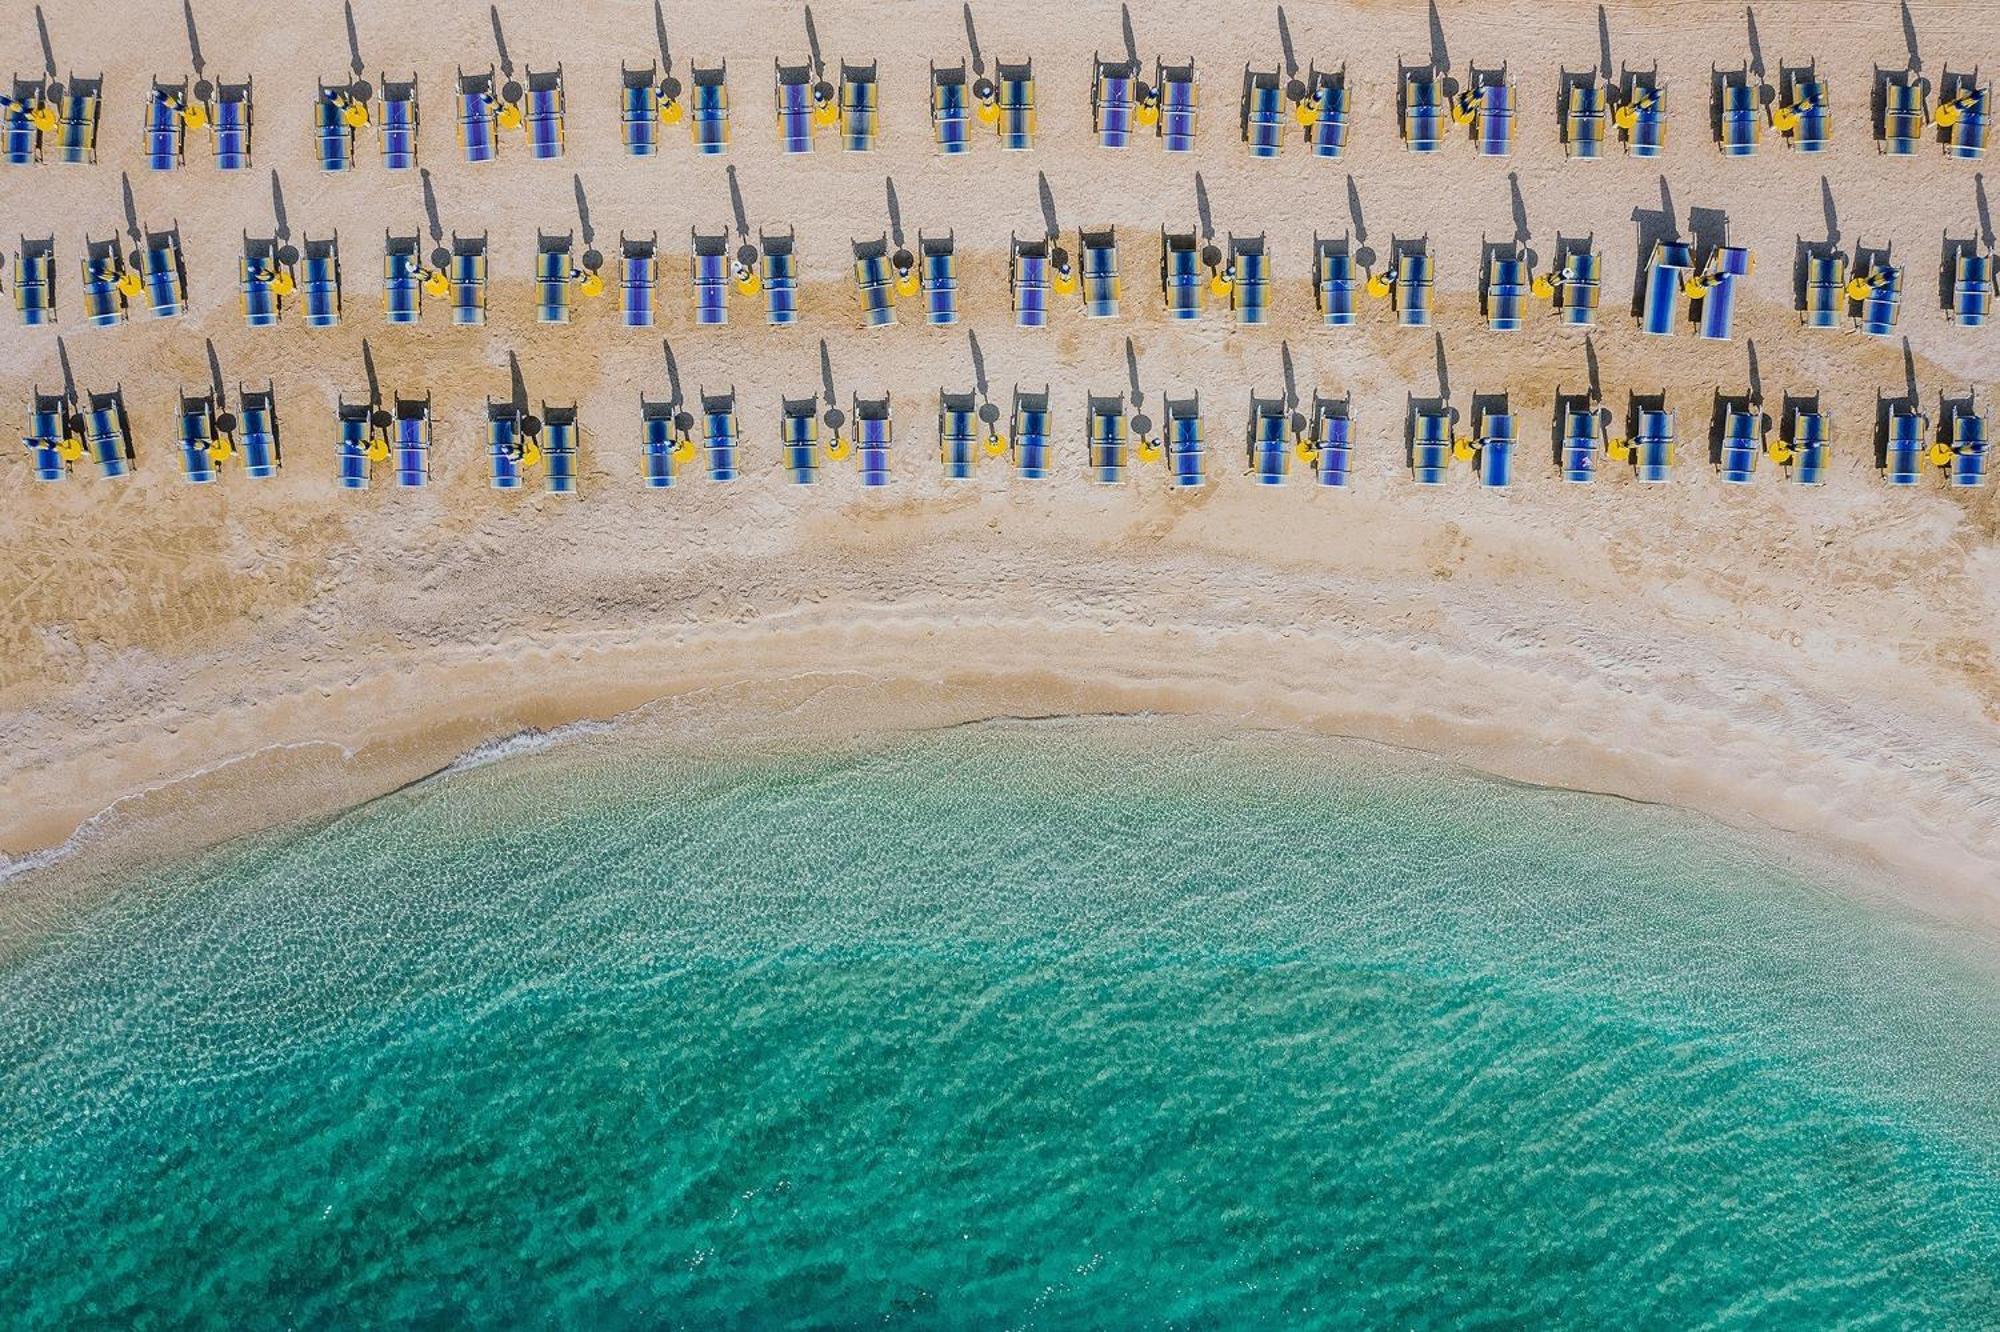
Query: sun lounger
[720, 434]
[197, 439]
[1415, 280]
[258, 432]
[1328, 94]
[1903, 115]
[164, 272]
[1180, 100]
[1811, 442]
[1653, 446]
[562, 447]
[1811, 99]
[1267, 441]
[478, 113]
[505, 444]
[552, 269]
[351, 447]
[20, 140]
[1582, 437]
[656, 429]
[107, 436]
[1097, 262]
[1263, 111]
[1826, 290]
[1186, 455]
[1972, 289]
[798, 434]
[1430, 444]
[1180, 274]
[1968, 136]
[1666, 269]
[708, 114]
[46, 431]
[402, 288]
[1495, 442]
[1028, 282]
[396, 124]
[77, 113]
[638, 261]
[1423, 112]
[958, 434]
[103, 301]
[1335, 282]
[258, 280]
[1107, 439]
[708, 270]
[937, 266]
[468, 279]
[322, 281]
[1493, 116]
[1741, 118]
[165, 131]
[872, 434]
[1333, 443]
[639, 110]
[35, 281]
[1726, 272]
[1965, 435]
[333, 136]
[1506, 292]
[1903, 451]
[232, 126]
[1111, 97]
[1250, 286]
[778, 271]
[951, 115]
[1884, 301]
[859, 107]
[792, 95]
[875, 281]
[1584, 118]
[545, 114]
[1648, 135]
[1029, 434]
[1741, 443]
[1577, 288]
[1015, 93]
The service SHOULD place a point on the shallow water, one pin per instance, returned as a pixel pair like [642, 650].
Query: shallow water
[1014, 1025]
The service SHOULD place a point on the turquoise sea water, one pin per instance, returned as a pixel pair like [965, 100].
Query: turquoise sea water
[1069, 1025]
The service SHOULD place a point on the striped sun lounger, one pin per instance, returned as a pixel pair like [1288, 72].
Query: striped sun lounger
[1030, 434]
[1968, 136]
[333, 136]
[1250, 291]
[1582, 434]
[937, 263]
[1811, 99]
[45, 435]
[1578, 288]
[951, 116]
[1506, 293]
[322, 281]
[1826, 290]
[1966, 436]
[259, 432]
[468, 279]
[1415, 280]
[1333, 443]
[958, 434]
[1430, 445]
[792, 94]
[1972, 290]
[873, 431]
[20, 141]
[1028, 281]
[1097, 261]
[1180, 274]
[1903, 450]
[396, 124]
[778, 270]
[1107, 439]
[708, 115]
[107, 438]
[798, 434]
[1423, 112]
[1263, 112]
[1742, 120]
[708, 271]
[258, 280]
[164, 272]
[1180, 104]
[351, 447]
[876, 283]
[1884, 301]
[1016, 96]
[402, 288]
[197, 439]
[1740, 447]
[1111, 102]
[1648, 135]
[478, 112]
[656, 431]
[1335, 283]
[1493, 117]
[35, 281]
[1812, 439]
[638, 261]
[1330, 99]
[1583, 121]
[562, 447]
[639, 110]
[1903, 116]
[1653, 446]
[232, 125]
[504, 444]
[1186, 455]
[103, 302]
[77, 112]
[165, 130]
[720, 435]
[1270, 451]
[859, 107]
[1726, 272]
[1669, 265]
[545, 114]
[1496, 450]
[552, 265]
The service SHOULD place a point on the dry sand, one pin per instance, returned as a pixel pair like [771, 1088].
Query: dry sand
[1815, 660]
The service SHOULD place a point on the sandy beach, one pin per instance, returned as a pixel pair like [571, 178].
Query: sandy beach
[203, 660]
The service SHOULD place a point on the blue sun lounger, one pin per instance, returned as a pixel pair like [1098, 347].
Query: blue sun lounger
[708, 116]
[1577, 289]
[351, 447]
[1740, 446]
[232, 126]
[1250, 290]
[322, 281]
[1903, 115]
[1966, 435]
[958, 434]
[1742, 120]
[44, 438]
[656, 432]
[197, 439]
[872, 434]
[778, 270]
[1582, 436]
[1496, 450]
[258, 432]
[1506, 293]
[1653, 446]
[1972, 289]
[1583, 121]
[1423, 112]
[1415, 280]
[1180, 274]
[1186, 455]
[545, 114]
[720, 434]
[951, 117]
[35, 281]
[1028, 281]
[504, 444]
[1726, 272]
[1329, 97]
[107, 437]
[20, 141]
[1015, 94]
[1263, 112]
[792, 94]
[478, 112]
[164, 272]
[1903, 451]
[937, 267]
[1336, 283]
[1333, 443]
[1812, 438]
[332, 135]
[1826, 290]
[1097, 262]
[637, 262]
[1107, 439]
[1111, 97]
[876, 283]
[798, 435]
[1270, 451]
[1968, 136]
[859, 107]
[562, 444]
[402, 287]
[166, 132]
[1180, 102]
[1648, 135]
[78, 111]
[468, 279]
[639, 110]
[1811, 100]
[1493, 117]
[396, 124]
[103, 302]
[552, 266]
[1430, 445]
[1668, 267]
[1884, 301]
[1030, 434]
[708, 271]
